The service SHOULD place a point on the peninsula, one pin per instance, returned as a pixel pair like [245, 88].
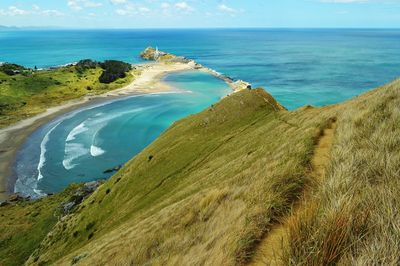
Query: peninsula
[49, 93]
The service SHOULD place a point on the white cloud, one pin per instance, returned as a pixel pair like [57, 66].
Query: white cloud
[36, 10]
[80, 4]
[143, 10]
[122, 12]
[52, 12]
[165, 5]
[183, 6]
[130, 9]
[118, 2]
[227, 9]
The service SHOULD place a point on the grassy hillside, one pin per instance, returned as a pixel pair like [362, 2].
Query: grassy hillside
[30, 93]
[355, 219]
[24, 225]
[215, 184]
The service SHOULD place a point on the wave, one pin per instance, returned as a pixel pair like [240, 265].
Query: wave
[73, 151]
[76, 131]
[42, 158]
[96, 151]
[90, 127]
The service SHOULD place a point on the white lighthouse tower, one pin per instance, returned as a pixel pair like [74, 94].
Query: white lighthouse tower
[156, 54]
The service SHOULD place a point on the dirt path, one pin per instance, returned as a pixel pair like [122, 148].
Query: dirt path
[269, 251]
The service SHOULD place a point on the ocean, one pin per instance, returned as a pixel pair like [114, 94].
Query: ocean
[297, 66]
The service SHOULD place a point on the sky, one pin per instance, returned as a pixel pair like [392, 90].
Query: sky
[201, 13]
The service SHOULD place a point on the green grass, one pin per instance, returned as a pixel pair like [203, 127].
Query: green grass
[215, 181]
[213, 185]
[25, 95]
[23, 226]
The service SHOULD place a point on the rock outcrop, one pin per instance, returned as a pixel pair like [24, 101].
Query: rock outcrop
[79, 195]
[153, 54]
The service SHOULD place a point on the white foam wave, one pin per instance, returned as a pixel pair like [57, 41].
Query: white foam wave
[81, 128]
[73, 151]
[43, 150]
[96, 151]
[92, 126]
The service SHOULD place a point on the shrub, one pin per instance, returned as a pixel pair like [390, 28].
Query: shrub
[11, 69]
[85, 64]
[113, 70]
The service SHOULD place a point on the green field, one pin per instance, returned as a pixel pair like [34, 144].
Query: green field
[30, 93]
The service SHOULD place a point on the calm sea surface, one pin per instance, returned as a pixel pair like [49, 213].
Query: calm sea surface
[297, 67]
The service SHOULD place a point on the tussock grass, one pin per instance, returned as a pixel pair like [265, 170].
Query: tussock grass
[218, 181]
[355, 221]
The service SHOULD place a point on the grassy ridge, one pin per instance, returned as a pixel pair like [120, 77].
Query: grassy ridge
[25, 95]
[205, 192]
[214, 184]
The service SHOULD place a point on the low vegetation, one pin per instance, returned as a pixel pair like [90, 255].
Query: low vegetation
[13, 69]
[30, 92]
[24, 225]
[212, 187]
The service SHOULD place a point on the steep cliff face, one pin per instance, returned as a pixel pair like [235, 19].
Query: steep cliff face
[212, 187]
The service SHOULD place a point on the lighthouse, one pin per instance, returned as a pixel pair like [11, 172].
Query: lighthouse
[156, 54]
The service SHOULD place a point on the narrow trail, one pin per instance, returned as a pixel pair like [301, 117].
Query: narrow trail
[269, 251]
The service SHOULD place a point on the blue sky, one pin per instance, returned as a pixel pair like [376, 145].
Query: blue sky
[200, 13]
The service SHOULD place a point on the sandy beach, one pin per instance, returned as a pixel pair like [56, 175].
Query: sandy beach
[12, 137]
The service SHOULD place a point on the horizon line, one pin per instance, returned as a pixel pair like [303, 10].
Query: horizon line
[188, 28]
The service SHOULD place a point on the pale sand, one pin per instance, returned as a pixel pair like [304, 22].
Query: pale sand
[11, 138]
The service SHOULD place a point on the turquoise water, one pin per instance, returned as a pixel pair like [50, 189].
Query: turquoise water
[81, 145]
[302, 66]
[298, 67]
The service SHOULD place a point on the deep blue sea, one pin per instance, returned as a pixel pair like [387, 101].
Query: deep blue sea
[297, 66]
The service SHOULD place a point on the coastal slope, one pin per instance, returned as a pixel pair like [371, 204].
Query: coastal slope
[29, 98]
[213, 186]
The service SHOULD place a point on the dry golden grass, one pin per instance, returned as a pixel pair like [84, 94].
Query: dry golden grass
[355, 221]
[217, 181]
[210, 188]
[270, 251]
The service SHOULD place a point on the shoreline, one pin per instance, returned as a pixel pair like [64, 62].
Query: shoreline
[13, 136]
[148, 82]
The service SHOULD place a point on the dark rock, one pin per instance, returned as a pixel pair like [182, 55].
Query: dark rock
[92, 186]
[15, 198]
[112, 170]
[68, 207]
[4, 203]
[76, 259]
[79, 195]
